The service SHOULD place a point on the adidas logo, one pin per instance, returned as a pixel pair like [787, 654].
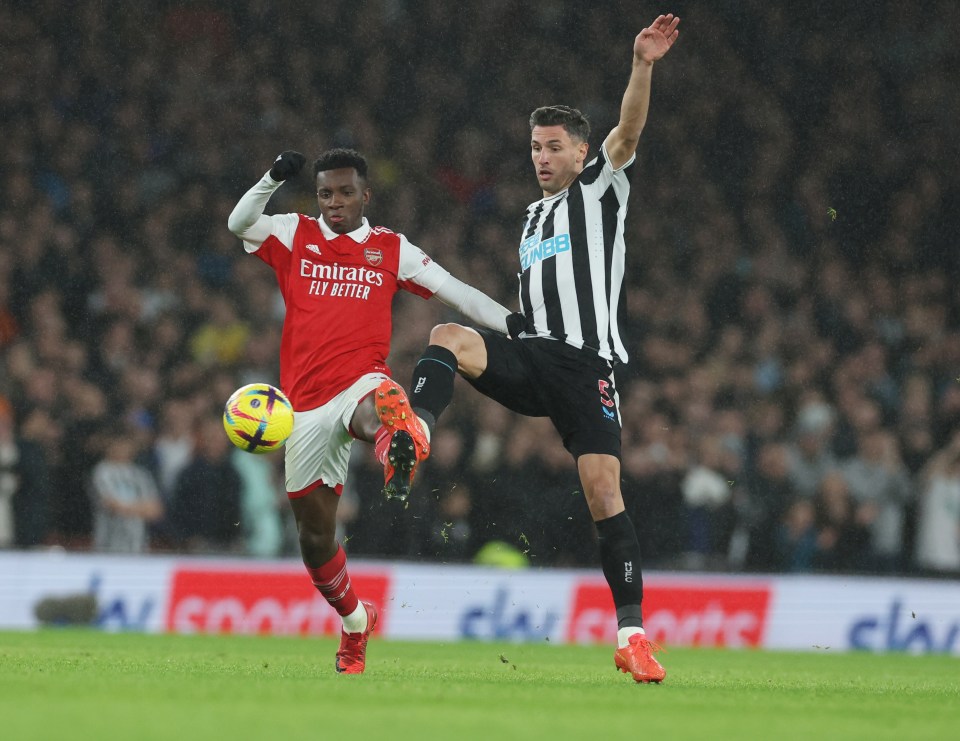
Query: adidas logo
[313, 248]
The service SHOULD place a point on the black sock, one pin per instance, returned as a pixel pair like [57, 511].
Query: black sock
[620, 559]
[431, 388]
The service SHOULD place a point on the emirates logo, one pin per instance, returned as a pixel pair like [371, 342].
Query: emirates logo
[373, 256]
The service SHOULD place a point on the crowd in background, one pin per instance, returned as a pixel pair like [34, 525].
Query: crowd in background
[793, 398]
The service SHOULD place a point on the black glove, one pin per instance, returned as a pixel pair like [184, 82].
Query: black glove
[516, 323]
[287, 165]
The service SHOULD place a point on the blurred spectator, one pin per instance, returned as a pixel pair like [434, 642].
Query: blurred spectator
[499, 511]
[85, 431]
[938, 530]
[221, 339]
[440, 515]
[843, 544]
[859, 417]
[557, 529]
[173, 445]
[261, 496]
[9, 327]
[170, 453]
[125, 499]
[795, 538]
[654, 464]
[709, 509]
[24, 486]
[206, 508]
[810, 454]
[772, 495]
[880, 486]
[915, 422]
[450, 537]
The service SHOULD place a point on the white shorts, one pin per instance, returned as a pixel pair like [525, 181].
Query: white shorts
[318, 451]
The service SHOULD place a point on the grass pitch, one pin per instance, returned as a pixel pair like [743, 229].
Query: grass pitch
[73, 684]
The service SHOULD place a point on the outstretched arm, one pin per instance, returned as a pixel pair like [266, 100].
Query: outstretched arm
[473, 304]
[649, 46]
[416, 269]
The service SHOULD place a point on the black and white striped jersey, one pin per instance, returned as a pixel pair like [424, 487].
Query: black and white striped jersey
[572, 261]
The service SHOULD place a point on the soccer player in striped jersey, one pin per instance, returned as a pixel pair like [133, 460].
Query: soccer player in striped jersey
[338, 276]
[565, 342]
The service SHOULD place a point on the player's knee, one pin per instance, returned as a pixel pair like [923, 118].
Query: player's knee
[451, 336]
[603, 494]
[318, 542]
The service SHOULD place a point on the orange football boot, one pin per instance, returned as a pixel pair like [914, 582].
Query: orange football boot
[352, 656]
[408, 442]
[637, 659]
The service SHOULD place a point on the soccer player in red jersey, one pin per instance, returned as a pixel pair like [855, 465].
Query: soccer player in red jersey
[566, 338]
[338, 276]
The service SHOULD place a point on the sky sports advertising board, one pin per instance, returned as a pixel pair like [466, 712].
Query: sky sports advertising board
[432, 602]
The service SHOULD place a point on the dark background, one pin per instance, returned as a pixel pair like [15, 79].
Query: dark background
[792, 255]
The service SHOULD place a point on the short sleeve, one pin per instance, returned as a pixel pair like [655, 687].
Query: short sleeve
[282, 227]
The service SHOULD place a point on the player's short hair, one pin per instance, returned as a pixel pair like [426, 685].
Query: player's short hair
[339, 158]
[572, 120]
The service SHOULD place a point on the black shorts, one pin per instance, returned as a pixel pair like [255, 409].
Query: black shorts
[547, 378]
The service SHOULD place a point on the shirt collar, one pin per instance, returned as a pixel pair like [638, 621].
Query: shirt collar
[358, 235]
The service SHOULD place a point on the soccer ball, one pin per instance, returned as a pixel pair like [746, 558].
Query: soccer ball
[258, 418]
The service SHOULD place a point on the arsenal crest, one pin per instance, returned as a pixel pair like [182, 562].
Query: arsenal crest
[374, 256]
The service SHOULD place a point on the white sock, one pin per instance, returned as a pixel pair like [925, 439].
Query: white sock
[426, 430]
[356, 621]
[623, 635]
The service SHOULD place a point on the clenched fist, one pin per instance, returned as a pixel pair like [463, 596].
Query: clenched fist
[286, 165]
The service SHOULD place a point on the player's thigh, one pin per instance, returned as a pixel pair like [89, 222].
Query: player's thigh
[584, 404]
[318, 450]
[510, 375]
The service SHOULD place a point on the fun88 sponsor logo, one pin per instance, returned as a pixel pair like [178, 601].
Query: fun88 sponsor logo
[534, 250]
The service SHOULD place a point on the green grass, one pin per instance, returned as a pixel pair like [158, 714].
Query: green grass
[73, 684]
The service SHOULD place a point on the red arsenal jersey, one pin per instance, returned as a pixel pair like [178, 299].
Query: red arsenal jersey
[338, 290]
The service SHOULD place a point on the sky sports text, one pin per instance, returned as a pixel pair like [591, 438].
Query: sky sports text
[899, 629]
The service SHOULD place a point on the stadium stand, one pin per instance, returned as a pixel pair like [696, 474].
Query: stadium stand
[794, 323]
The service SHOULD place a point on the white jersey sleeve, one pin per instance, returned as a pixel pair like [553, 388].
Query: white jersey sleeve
[248, 221]
[416, 267]
[473, 304]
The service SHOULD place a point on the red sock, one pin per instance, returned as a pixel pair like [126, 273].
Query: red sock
[333, 581]
[382, 443]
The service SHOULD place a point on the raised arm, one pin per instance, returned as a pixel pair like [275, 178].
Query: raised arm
[247, 219]
[649, 46]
